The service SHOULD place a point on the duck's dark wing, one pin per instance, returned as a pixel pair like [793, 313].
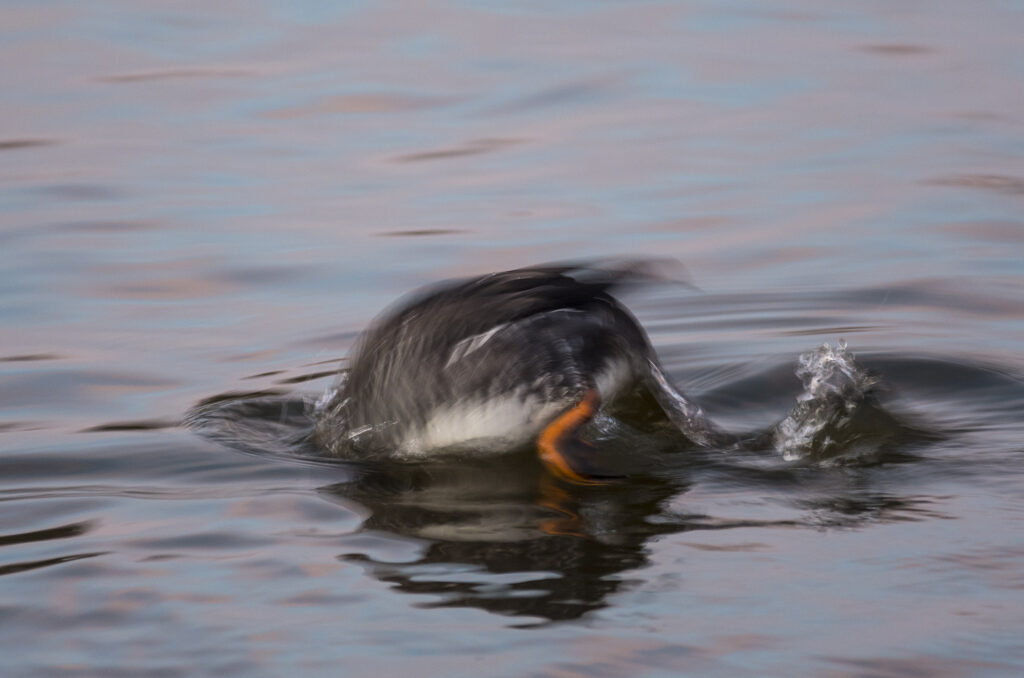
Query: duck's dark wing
[478, 304]
[432, 321]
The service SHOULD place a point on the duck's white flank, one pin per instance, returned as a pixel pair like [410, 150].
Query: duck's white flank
[503, 422]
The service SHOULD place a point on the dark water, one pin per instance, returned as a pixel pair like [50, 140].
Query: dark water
[202, 205]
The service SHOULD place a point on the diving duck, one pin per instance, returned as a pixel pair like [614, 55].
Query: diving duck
[520, 357]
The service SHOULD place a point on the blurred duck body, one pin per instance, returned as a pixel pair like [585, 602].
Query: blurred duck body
[501, 361]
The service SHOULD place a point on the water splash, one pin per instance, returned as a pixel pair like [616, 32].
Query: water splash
[327, 399]
[825, 420]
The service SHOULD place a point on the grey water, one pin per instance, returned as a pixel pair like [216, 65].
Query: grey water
[202, 205]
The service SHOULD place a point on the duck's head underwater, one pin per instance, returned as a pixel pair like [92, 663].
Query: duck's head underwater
[519, 358]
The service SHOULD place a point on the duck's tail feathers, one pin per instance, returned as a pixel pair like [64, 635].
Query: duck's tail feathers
[610, 273]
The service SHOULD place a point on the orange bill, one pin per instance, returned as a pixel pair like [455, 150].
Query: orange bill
[554, 441]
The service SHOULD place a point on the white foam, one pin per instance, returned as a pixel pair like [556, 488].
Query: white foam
[834, 386]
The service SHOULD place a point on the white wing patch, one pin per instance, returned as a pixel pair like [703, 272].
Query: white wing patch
[470, 344]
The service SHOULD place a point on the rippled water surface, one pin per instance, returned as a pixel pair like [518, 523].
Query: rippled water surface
[201, 205]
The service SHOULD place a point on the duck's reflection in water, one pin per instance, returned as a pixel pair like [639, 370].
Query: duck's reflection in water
[496, 532]
[505, 536]
[501, 534]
